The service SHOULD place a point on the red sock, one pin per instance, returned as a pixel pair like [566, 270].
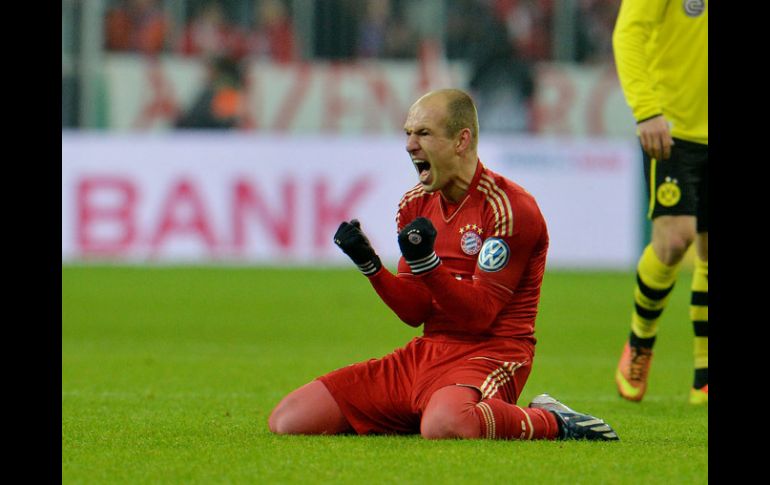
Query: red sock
[500, 420]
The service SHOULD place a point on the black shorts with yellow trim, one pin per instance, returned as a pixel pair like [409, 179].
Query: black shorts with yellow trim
[679, 185]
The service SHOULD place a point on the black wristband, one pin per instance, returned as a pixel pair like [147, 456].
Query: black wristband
[369, 268]
[423, 265]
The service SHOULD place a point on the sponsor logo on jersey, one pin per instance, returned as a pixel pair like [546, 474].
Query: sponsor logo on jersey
[470, 239]
[693, 8]
[668, 194]
[494, 255]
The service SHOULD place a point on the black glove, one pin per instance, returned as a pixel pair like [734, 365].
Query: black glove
[353, 242]
[416, 243]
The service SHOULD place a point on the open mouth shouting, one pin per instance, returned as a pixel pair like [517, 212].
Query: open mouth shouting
[423, 170]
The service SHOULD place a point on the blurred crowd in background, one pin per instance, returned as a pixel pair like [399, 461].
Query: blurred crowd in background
[500, 40]
[354, 29]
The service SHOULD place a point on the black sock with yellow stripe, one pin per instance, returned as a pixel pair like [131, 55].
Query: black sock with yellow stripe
[654, 282]
[699, 314]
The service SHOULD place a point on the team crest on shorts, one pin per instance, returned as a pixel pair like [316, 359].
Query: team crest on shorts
[693, 8]
[494, 255]
[470, 241]
[669, 193]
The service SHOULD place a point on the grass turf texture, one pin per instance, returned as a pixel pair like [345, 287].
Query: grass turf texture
[169, 375]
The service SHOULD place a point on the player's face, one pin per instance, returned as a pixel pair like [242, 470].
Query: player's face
[432, 150]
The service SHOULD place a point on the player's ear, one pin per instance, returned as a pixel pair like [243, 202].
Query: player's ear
[463, 140]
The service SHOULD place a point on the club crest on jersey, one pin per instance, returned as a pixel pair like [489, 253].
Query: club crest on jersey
[693, 8]
[494, 255]
[470, 241]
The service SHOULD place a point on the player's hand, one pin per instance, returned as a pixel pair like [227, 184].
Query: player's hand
[416, 242]
[655, 136]
[353, 242]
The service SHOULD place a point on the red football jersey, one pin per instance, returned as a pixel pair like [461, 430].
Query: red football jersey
[494, 240]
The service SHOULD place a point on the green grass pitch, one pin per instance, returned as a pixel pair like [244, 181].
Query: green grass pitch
[169, 375]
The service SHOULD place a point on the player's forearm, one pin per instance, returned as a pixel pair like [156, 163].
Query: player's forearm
[632, 66]
[472, 304]
[409, 300]
[631, 35]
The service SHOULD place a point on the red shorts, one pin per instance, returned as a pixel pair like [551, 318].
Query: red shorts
[388, 395]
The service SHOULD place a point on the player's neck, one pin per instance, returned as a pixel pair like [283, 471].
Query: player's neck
[456, 191]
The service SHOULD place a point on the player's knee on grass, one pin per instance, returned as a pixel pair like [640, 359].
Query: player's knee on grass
[451, 413]
[280, 421]
[311, 409]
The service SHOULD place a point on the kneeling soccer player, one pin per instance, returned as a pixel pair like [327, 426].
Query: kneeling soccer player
[473, 247]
